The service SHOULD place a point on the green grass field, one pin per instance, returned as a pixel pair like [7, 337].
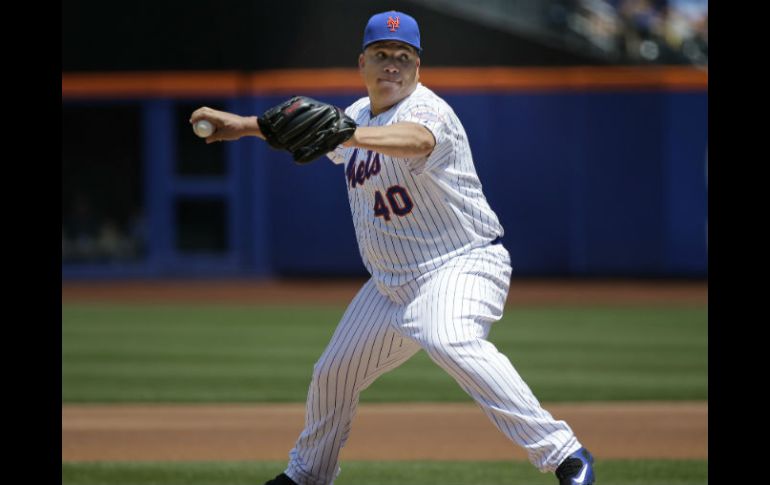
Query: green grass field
[218, 353]
[616, 472]
[224, 353]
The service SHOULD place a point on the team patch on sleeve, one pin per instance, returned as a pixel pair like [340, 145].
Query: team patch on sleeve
[426, 115]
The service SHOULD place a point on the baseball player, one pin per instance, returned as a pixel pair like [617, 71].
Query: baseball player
[433, 246]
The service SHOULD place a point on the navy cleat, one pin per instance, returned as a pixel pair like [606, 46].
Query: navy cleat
[577, 469]
[281, 479]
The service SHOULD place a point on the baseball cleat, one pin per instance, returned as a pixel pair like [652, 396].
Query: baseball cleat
[281, 479]
[577, 469]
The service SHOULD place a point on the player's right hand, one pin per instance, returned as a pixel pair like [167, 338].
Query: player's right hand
[229, 126]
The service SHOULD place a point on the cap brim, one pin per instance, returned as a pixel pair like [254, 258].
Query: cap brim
[392, 39]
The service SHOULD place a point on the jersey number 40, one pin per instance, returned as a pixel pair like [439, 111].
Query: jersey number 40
[398, 202]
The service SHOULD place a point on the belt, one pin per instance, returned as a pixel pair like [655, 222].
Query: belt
[497, 240]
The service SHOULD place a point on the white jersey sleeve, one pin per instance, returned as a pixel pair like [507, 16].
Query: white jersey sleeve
[432, 115]
[337, 155]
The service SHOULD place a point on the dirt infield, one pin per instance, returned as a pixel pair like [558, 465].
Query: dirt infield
[380, 432]
[522, 292]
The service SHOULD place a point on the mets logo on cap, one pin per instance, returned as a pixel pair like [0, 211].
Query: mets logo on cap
[392, 25]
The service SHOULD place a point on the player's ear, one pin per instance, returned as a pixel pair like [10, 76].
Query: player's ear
[361, 60]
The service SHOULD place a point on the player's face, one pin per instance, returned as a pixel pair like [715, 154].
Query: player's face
[390, 71]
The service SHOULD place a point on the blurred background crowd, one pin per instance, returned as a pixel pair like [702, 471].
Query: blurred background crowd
[664, 31]
[93, 235]
[614, 31]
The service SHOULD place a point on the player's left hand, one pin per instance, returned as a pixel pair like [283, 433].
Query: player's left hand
[305, 127]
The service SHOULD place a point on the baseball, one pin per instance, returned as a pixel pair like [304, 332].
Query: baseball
[203, 128]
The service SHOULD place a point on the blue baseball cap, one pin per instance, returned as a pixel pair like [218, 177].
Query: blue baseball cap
[393, 26]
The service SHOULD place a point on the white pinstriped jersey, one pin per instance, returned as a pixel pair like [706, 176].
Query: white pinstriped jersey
[412, 215]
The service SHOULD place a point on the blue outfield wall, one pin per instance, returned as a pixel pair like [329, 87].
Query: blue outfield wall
[600, 184]
[585, 184]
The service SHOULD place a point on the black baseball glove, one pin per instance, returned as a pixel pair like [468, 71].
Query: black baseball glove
[306, 127]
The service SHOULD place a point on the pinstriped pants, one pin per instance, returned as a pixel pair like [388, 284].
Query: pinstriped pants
[448, 313]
